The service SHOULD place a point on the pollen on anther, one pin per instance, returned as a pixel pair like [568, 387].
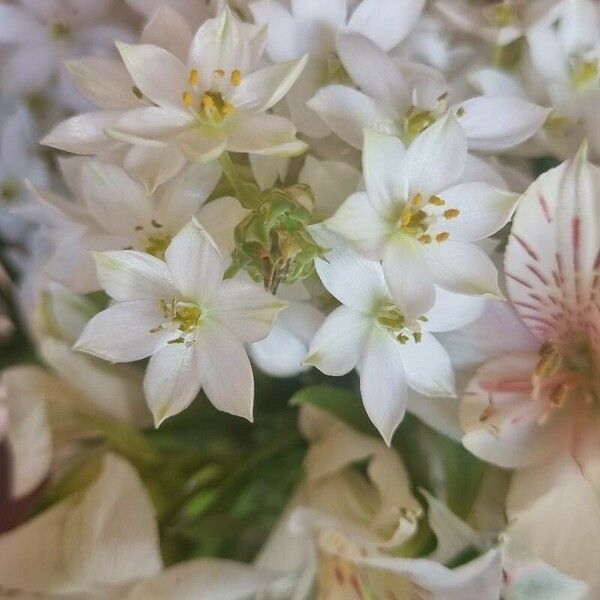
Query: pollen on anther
[437, 201]
[194, 77]
[227, 108]
[187, 99]
[425, 239]
[208, 101]
[219, 73]
[451, 213]
[416, 201]
[236, 77]
[442, 237]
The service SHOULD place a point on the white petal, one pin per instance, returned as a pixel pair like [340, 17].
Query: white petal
[169, 30]
[427, 367]
[284, 39]
[172, 380]
[153, 166]
[386, 180]
[331, 182]
[319, 22]
[354, 281]
[122, 333]
[386, 22]
[383, 383]
[106, 537]
[220, 43]
[118, 203]
[220, 218]
[436, 158]
[357, 221]
[131, 275]
[407, 277]
[208, 578]
[268, 170]
[29, 437]
[484, 210]
[246, 309]
[264, 134]
[28, 69]
[502, 426]
[262, 89]
[202, 144]
[462, 268]
[373, 70]
[348, 112]
[225, 371]
[195, 263]
[82, 134]
[339, 344]
[104, 81]
[16, 26]
[493, 123]
[453, 311]
[150, 125]
[160, 75]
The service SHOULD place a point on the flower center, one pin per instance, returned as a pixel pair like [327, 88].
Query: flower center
[416, 218]
[211, 104]
[186, 316]
[584, 74]
[416, 121]
[394, 322]
[157, 246]
[335, 72]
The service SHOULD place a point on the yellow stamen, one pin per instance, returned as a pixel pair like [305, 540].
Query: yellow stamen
[219, 73]
[442, 237]
[451, 213]
[417, 200]
[187, 99]
[406, 216]
[227, 108]
[424, 239]
[194, 77]
[236, 77]
[208, 101]
[436, 201]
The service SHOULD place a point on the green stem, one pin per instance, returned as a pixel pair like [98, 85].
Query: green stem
[245, 192]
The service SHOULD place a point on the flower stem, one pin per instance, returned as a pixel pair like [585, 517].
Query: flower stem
[246, 193]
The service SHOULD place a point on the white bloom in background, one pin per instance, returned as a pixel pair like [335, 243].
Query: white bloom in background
[403, 100]
[391, 351]
[40, 34]
[421, 220]
[186, 318]
[217, 102]
[114, 211]
[312, 27]
[499, 23]
[531, 403]
[343, 529]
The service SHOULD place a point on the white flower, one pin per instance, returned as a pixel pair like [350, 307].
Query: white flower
[40, 34]
[528, 404]
[343, 529]
[216, 102]
[420, 220]
[312, 27]
[115, 211]
[182, 314]
[392, 351]
[404, 100]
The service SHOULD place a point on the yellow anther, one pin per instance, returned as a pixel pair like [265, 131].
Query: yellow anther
[406, 216]
[187, 99]
[437, 201]
[417, 336]
[227, 109]
[219, 73]
[451, 213]
[442, 237]
[417, 200]
[424, 239]
[194, 77]
[208, 101]
[236, 77]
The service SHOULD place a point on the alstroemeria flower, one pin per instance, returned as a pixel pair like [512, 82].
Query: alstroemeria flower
[312, 27]
[391, 351]
[114, 211]
[215, 102]
[421, 220]
[527, 405]
[183, 315]
[405, 100]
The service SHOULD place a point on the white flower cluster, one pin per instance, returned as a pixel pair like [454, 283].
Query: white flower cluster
[366, 194]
